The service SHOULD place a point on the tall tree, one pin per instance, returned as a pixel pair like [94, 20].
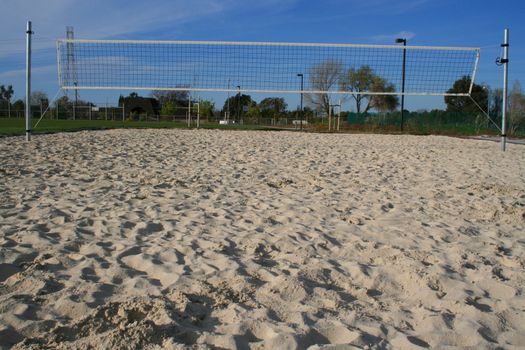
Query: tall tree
[356, 82]
[6, 93]
[205, 108]
[360, 81]
[462, 103]
[168, 108]
[254, 113]
[237, 104]
[382, 103]
[273, 107]
[323, 77]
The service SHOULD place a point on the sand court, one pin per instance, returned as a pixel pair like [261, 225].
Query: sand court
[260, 240]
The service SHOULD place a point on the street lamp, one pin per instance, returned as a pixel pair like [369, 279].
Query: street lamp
[227, 116]
[239, 104]
[302, 85]
[404, 42]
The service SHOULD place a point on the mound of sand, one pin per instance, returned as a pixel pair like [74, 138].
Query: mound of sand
[197, 239]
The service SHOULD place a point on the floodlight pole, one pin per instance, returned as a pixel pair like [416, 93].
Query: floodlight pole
[239, 104]
[302, 88]
[28, 81]
[228, 101]
[404, 41]
[505, 62]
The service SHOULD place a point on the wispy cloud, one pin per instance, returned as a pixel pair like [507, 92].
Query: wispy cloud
[389, 38]
[19, 73]
[106, 19]
[103, 19]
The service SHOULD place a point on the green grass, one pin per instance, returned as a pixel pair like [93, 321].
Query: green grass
[16, 126]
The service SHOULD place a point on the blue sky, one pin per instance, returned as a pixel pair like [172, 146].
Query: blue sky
[422, 22]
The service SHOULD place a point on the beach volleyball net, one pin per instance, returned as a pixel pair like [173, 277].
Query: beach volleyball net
[264, 67]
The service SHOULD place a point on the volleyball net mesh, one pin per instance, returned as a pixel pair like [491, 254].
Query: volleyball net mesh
[262, 67]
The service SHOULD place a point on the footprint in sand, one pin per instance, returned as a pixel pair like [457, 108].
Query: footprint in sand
[149, 228]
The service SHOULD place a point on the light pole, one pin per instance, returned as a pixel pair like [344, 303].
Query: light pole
[404, 41]
[239, 104]
[302, 86]
[227, 116]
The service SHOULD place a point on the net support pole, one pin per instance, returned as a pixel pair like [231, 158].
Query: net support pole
[505, 62]
[403, 84]
[28, 81]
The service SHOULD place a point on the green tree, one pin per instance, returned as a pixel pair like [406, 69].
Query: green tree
[254, 113]
[238, 104]
[382, 103]
[360, 81]
[205, 108]
[463, 103]
[357, 82]
[273, 107]
[169, 108]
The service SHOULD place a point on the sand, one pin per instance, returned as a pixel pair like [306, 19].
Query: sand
[175, 239]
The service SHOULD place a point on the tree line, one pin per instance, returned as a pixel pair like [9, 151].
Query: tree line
[323, 77]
